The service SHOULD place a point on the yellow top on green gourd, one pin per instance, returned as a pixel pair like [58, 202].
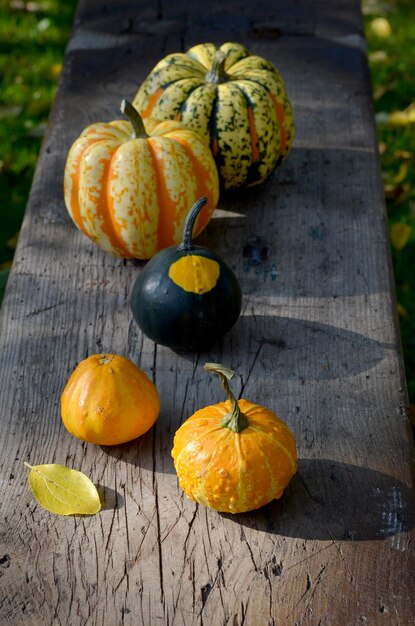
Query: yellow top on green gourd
[235, 100]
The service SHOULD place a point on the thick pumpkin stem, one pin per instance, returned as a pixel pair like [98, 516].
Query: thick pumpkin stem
[135, 119]
[217, 74]
[187, 243]
[236, 420]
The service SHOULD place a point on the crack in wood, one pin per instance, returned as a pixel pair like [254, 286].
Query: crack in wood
[244, 539]
[244, 384]
[158, 525]
[46, 308]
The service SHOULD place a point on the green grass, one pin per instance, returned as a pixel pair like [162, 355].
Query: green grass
[392, 66]
[33, 36]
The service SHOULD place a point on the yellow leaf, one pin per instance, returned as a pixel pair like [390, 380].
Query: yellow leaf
[403, 195]
[55, 70]
[402, 174]
[400, 234]
[402, 311]
[402, 154]
[12, 242]
[378, 56]
[62, 490]
[381, 27]
[392, 191]
[379, 91]
[382, 147]
[403, 118]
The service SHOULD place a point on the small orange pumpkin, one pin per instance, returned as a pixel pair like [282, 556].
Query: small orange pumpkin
[129, 185]
[234, 456]
[108, 400]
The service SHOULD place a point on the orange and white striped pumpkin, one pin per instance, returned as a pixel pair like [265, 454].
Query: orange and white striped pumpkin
[129, 186]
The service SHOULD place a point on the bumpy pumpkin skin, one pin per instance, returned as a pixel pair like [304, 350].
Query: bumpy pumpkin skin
[185, 299]
[108, 400]
[131, 195]
[242, 110]
[234, 472]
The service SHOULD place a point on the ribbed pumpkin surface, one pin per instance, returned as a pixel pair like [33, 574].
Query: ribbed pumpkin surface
[234, 472]
[245, 114]
[131, 195]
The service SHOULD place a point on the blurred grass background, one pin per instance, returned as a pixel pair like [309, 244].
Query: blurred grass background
[390, 34]
[33, 36]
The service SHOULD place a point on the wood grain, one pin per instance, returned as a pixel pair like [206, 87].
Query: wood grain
[317, 342]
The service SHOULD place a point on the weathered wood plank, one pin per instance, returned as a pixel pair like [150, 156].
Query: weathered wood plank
[317, 341]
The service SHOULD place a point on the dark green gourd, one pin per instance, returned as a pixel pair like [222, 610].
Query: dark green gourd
[186, 296]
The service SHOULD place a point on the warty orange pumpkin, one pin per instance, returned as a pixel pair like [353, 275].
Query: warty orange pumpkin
[129, 185]
[234, 456]
[109, 400]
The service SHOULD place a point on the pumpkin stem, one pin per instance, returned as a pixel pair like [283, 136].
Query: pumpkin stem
[236, 420]
[134, 118]
[187, 243]
[105, 358]
[217, 74]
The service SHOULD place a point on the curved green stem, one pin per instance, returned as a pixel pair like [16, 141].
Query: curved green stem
[236, 420]
[217, 74]
[187, 243]
[135, 119]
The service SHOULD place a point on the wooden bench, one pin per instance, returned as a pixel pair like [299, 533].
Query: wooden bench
[317, 341]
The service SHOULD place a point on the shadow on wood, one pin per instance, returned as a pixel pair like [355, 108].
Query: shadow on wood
[110, 498]
[284, 348]
[326, 500]
[330, 500]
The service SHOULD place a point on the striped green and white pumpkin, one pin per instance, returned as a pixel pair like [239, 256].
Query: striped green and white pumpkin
[235, 100]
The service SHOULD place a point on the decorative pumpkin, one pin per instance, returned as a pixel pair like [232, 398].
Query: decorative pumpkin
[108, 400]
[129, 185]
[186, 296]
[234, 456]
[235, 100]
